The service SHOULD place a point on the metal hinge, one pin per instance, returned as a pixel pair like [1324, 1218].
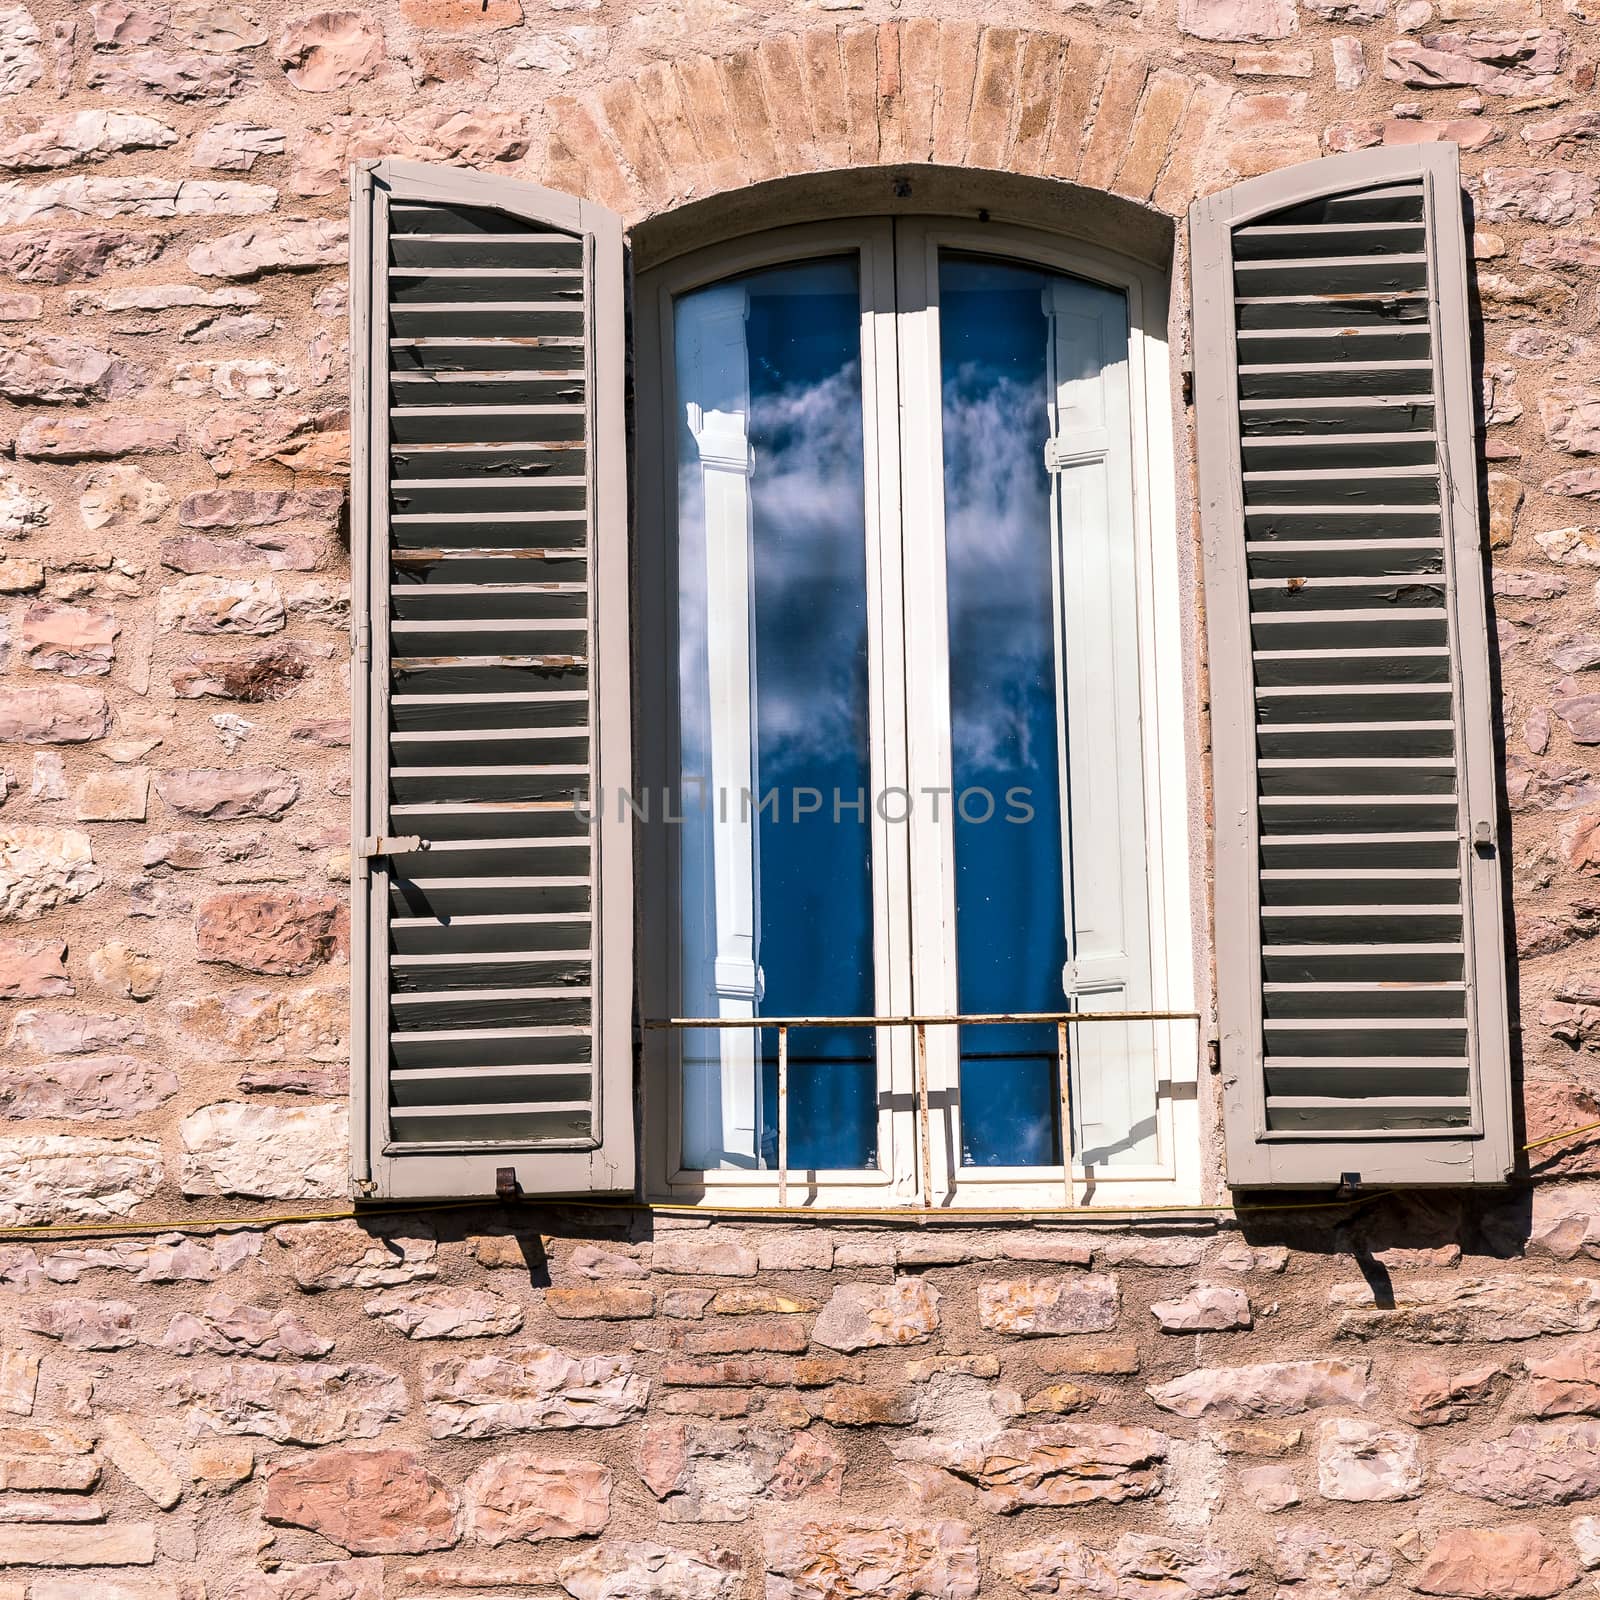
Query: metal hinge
[363, 641]
[391, 844]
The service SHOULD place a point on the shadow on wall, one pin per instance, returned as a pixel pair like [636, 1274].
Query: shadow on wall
[1383, 1232]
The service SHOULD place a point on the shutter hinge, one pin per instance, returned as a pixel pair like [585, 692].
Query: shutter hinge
[1186, 379]
[506, 1187]
[391, 844]
[363, 640]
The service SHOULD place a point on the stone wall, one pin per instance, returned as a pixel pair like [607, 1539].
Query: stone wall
[1399, 1398]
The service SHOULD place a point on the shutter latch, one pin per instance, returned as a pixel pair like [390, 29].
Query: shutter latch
[506, 1187]
[1483, 837]
[391, 844]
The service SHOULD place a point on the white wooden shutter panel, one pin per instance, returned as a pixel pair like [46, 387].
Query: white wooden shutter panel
[1108, 903]
[1360, 963]
[493, 973]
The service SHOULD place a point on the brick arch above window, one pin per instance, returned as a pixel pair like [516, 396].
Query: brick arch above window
[1071, 107]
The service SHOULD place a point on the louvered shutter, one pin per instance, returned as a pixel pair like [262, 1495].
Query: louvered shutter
[493, 971]
[1360, 964]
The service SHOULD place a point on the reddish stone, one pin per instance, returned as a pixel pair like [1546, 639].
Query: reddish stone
[360, 1579]
[1535, 1464]
[372, 1502]
[257, 675]
[477, 136]
[1566, 1383]
[261, 508]
[862, 1315]
[329, 50]
[779, 1335]
[530, 1497]
[602, 1302]
[277, 552]
[225, 794]
[34, 969]
[781, 1372]
[888, 1556]
[1112, 1360]
[1433, 1396]
[98, 438]
[719, 1472]
[1084, 1303]
[273, 931]
[1502, 63]
[69, 639]
[857, 1406]
[73, 255]
[1510, 1563]
[1553, 1107]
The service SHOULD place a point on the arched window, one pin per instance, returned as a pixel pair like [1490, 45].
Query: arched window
[908, 572]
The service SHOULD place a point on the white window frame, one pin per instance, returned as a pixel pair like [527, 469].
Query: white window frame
[913, 866]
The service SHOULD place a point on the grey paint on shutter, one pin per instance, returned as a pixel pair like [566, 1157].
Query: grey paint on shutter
[493, 924]
[1360, 965]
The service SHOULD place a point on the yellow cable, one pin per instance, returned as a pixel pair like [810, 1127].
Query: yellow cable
[877, 1214]
[1556, 1138]
[46, 1230]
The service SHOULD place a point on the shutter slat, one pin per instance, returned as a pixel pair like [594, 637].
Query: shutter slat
[499, 1022]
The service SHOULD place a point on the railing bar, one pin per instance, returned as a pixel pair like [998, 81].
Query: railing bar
[962, 1019]
[924, 1139]
[783, 1117]
[1064, 1074]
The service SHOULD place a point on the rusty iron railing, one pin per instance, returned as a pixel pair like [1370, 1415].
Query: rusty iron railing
[1063, 1021]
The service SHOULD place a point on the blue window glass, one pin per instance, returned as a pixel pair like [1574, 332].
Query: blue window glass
[1010, 915]
[776, 876]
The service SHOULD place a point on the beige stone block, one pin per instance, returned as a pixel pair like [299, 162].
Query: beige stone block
[19, 1378]
[130, 1453]
[630, 128]
[44, 1474]
[222, 1463]
[750, 116]
[121, 796]
[858, 48]
[1505, 501]
[890, 95]
[1177, 185]
[783, 78]
[919, 70]
[674, 130]
[1113, 117]
[700, 90]
[1080, 81]
[1038, 84]
[1165, 100]
[580, 160]
[989, 127]
[824, 75]
[127, 1544]
[952, 106]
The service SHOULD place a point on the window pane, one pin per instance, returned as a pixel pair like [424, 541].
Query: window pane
[1010, 916]
[773, 712]
[1048, 828]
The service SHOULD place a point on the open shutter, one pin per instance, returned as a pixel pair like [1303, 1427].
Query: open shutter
[493, 975]
[1360, 964]
[1108, 901]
